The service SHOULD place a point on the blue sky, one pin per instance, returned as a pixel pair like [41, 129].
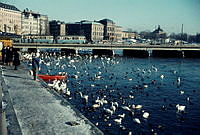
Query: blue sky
[136, 14]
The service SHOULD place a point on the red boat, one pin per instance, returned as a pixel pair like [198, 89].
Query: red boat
[47, 78]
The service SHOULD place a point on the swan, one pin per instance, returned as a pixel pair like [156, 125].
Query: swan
[137, 120]
[136, 106]
[119, 121]
[121, 115]
[154, 69]
[182, 92]
[178, 80]
[180, 108]
[126, 108]
[162, 77]
[96, 105]
[113, 107]
[85, 97]
[145, 115]
[108, 111]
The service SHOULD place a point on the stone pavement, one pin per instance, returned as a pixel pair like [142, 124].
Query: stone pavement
[34, 109]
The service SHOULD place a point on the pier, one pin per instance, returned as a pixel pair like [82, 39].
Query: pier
[33, 108]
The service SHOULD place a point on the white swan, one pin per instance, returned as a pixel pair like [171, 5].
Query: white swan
[180, 108]
[119, 121]
[145, 115]
[137, 120]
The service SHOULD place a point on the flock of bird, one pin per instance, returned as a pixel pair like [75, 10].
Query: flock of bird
[106, 91]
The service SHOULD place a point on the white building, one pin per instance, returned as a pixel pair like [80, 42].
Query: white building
[34, 23]
[10, 19]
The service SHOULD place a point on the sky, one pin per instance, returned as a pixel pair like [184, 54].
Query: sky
[138, 15]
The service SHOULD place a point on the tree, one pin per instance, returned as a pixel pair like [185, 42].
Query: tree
[198, 38]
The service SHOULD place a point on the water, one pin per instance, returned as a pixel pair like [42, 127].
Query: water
[129, 81]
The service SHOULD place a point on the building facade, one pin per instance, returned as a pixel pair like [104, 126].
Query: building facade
[10, 19]
[128, 35]
[34, 23]
[109, 29]
[57, 28]
[74, 29]
[118, 33]
[93, 31]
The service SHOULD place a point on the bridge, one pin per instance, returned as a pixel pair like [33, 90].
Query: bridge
[136, 50]
[109, 46]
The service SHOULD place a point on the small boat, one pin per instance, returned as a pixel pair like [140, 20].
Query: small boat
[47, 78]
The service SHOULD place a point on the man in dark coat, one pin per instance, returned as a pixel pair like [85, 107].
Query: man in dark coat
[35, 66]
[3, 55]
[16, 61]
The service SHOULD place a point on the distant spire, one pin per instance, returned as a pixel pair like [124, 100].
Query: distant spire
[158, 27]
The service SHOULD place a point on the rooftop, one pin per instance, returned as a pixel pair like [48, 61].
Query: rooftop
[10, 7]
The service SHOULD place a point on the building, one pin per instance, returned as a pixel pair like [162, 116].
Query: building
[109, 29]
[44, 25]
[74, 29]
[10, 19]
[57, 28]
[158, 33]
[118, 33]
[34, 23]
[128, 35]
[93, 31]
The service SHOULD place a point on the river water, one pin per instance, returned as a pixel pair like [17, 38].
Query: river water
[157, 84]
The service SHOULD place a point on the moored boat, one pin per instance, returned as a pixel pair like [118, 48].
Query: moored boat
[47, 78]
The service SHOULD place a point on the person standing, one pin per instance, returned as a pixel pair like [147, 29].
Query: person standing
[16, 61]
[7, 50]
[3, 55]
[10, 56]
[35, 66]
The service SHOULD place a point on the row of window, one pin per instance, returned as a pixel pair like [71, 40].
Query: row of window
[71, 38]
[29, 27]
[11, 11]
[110, 28]
[11, 15]
[110, 34]
[10, 21]
[97, 33]
[98, 28]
